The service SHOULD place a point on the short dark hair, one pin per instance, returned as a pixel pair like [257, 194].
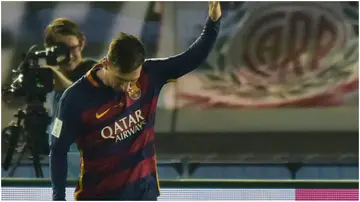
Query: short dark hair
[126, 52]
[62, 26]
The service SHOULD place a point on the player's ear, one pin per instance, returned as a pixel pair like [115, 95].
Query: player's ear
[83, 42]
[105, 62]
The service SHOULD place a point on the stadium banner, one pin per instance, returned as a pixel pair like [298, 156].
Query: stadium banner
[272, 54]
[176, 190]
[272, 61]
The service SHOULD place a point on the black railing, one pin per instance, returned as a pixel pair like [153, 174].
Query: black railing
[202, 183]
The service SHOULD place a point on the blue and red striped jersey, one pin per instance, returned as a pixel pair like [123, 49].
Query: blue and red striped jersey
[114, 130]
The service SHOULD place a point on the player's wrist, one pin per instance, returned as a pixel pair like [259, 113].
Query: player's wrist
[215, 18]
[214, 21]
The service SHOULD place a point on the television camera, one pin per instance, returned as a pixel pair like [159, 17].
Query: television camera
[32, 83]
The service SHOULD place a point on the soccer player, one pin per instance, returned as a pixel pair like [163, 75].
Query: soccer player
[110, 114]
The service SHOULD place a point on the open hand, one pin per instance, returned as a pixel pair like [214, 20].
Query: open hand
[214, 10]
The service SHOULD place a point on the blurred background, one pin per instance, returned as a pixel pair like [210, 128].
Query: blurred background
[277, 98]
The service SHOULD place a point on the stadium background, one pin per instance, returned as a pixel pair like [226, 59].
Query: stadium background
[225, 121]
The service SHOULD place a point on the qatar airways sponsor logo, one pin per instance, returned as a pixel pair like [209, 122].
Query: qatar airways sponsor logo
[124, 127]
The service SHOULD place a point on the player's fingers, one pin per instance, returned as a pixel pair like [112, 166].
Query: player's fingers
[213, 4]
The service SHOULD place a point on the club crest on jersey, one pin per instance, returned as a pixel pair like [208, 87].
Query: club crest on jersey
[134, 92]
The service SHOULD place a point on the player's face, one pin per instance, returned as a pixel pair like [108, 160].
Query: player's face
[75, 47]
[122, 81]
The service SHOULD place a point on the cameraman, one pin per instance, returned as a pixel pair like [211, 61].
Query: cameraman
[66, 31]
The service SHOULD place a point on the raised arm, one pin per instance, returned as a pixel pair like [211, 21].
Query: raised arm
[64, 130]
[176, 66]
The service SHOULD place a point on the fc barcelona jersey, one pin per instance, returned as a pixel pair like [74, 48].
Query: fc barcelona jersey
[114, 131]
